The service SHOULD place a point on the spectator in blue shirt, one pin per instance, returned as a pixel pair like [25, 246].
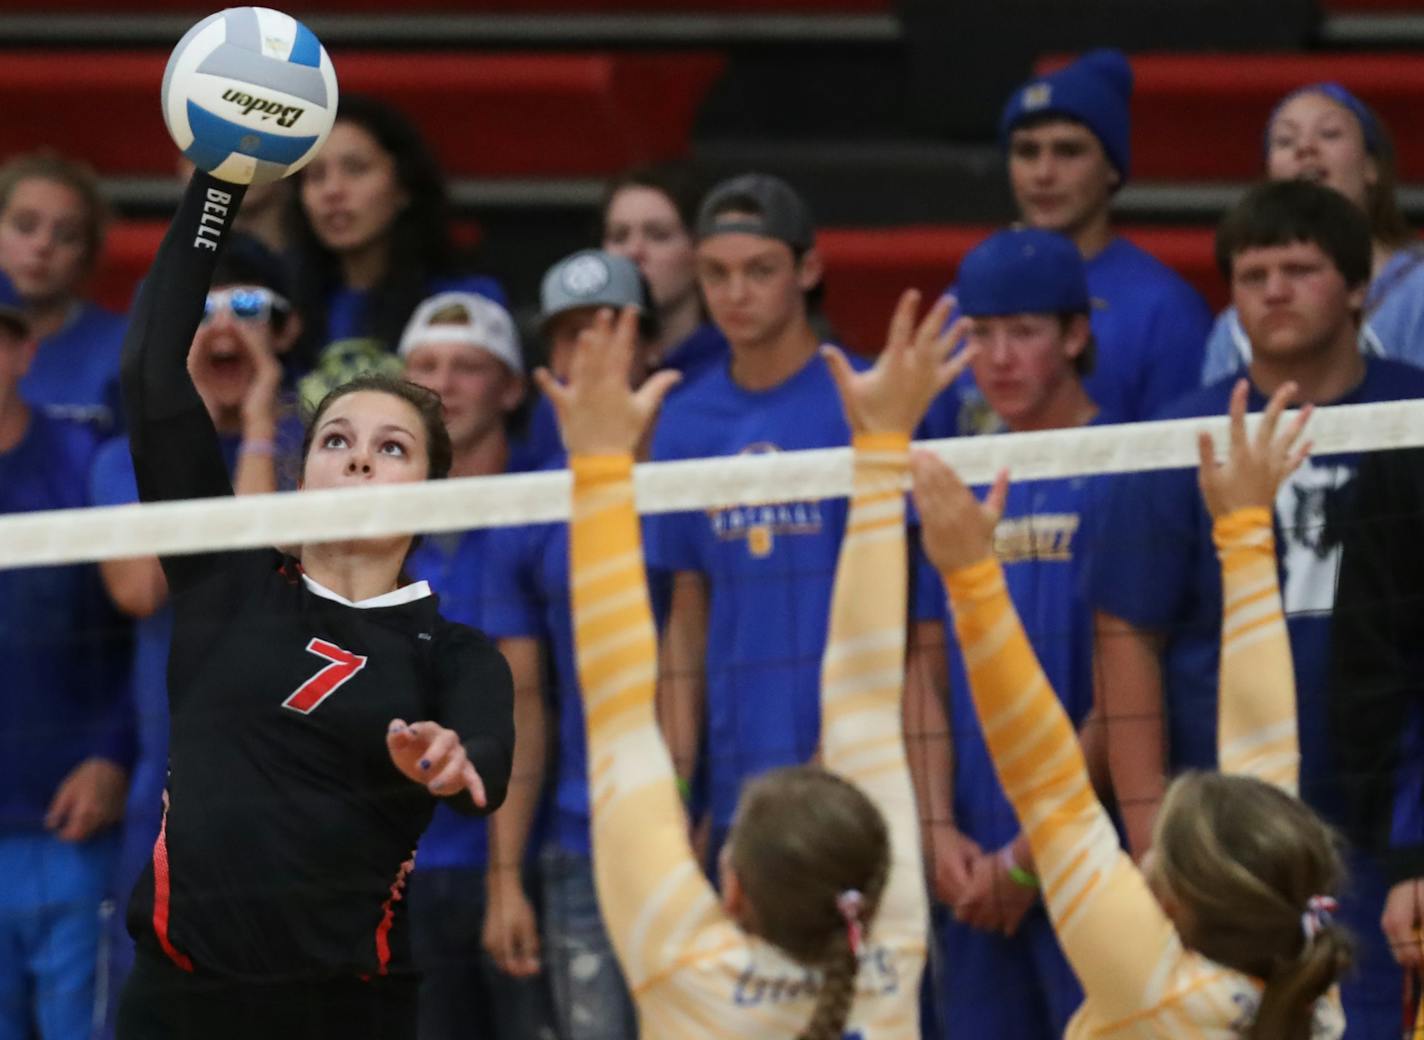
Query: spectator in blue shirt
[370, 230]
[752, 584]
[464, 347]
[526, 583]
[1325, 134]
[1024, 297]
[1067, 139]
[51, 234]
[66, 740]
[235, 364]
[1297, 256]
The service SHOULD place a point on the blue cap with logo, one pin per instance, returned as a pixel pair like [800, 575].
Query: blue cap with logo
[1023, 271]
[12, 308]
[1096, 90]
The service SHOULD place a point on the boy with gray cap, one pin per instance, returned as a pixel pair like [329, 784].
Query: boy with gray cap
[527, 609]
[751, 595]
[1067, 139]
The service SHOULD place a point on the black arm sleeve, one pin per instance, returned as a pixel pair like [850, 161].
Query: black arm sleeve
[175, 447]
[1378, 647]
[475, 698]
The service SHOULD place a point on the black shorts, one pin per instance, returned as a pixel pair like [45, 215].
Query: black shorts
[162, 1002]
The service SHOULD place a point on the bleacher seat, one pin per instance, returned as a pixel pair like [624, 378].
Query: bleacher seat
[868, 268]
[1201, 116]
[512, 114]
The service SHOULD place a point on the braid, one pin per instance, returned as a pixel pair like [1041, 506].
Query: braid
[837, 994]
[835, 998]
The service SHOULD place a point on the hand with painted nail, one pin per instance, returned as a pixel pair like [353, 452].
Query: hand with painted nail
[432, 756]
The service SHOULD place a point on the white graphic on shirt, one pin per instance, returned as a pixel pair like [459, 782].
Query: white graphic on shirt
[1308, 506]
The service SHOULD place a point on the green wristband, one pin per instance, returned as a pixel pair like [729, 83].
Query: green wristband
[1016, 873]
[684, 789]
[1019, 876]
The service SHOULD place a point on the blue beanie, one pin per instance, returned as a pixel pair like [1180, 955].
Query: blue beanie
[1023, 271]
[1369, 125]
[1096, 90]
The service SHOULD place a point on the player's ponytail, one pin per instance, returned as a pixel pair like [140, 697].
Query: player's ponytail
[812, 854]
[1253, 870]
[1288, 1001]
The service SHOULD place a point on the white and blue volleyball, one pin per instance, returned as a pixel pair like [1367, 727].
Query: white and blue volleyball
[249, 95]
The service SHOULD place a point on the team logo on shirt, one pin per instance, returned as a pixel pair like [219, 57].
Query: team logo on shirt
[1310, 505]
[760, 525]
[1041, 536]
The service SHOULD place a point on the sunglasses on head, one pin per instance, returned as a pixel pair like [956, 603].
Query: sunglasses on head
[244, 303]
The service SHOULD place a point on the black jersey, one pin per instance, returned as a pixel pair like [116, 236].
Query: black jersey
[288, 831]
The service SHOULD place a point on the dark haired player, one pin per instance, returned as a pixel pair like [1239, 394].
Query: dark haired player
[297, 792]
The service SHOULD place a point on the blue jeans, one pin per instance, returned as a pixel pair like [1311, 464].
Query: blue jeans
[50, 930]
[591, 1000]
[463, 993]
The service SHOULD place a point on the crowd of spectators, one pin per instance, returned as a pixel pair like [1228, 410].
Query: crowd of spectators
[350, 267]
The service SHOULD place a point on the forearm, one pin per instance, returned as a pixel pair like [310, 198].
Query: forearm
[136, 586]
[1129, 694]
[682, 675]
[510, 827]
[1256, 716]
[928, 742]
[256, 471]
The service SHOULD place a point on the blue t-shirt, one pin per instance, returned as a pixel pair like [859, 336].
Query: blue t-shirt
[769, 571]
[346, 308]
[1044, 543]
[526, 591]
[66, 693]
[454, 565]
[75, 373]
[1158, 570]
[1149, 332]
[1393, 324]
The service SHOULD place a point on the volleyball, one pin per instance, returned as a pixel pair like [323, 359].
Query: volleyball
[249, 95]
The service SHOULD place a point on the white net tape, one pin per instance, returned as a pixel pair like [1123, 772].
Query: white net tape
[81, 535]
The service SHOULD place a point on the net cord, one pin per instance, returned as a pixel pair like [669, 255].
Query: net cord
[214, 524]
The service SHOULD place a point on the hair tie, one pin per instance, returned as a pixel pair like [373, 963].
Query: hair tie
[1319, 912]
[850, 903]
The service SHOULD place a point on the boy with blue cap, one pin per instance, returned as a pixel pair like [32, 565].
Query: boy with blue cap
[1025, 292]
[1067, 138]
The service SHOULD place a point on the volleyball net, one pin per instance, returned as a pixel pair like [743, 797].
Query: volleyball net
[756, 507]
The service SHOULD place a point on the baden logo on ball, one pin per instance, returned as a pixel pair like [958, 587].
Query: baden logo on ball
[249, 95]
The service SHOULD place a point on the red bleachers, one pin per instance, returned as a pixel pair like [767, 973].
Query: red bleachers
[1203, 116]
[868, 268]
[486, 114]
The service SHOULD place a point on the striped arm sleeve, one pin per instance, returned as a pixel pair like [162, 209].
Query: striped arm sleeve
[1121, 945]
[656, 904]
[1256, 717]
[863, 670]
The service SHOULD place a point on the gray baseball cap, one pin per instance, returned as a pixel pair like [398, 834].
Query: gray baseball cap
[777, 211]
[590, 278]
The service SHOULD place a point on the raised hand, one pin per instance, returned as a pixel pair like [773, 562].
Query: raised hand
[433, 757]
[957, 529]
[910, 372]
[1257, 466]
[599, 414]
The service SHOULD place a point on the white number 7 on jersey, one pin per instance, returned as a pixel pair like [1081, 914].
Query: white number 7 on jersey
[308, 696]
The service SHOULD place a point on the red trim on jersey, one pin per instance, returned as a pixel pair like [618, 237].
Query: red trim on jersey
[388, 914]
[160, 895]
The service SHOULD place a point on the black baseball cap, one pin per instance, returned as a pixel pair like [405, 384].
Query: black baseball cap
[776, 211]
